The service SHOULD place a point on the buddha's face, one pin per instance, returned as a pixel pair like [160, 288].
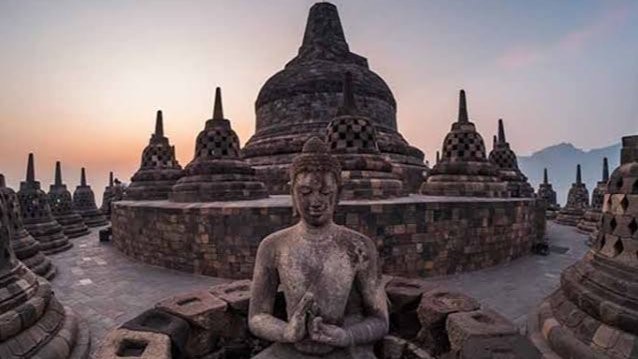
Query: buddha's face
[315, 197]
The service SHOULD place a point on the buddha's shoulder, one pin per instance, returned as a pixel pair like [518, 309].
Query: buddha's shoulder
[276, 238]
[354, 237]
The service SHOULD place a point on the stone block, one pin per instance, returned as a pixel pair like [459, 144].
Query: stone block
[434, 309]
[484, 323]
[509, 347]
[158, 321]
[404, 292]
[124, 343]
[236, 294]
[200, 308]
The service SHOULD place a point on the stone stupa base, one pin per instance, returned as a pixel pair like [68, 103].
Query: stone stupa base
[28, 251]
[149, 190]
[590, 220]
[217, 191]
[559, 329]
[50, 236]
[72, 225]
[463, 187]
[38, 327]
[569, 216]
[94, 218]
[359, 188]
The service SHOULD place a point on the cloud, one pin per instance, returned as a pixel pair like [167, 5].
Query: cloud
[521, 56]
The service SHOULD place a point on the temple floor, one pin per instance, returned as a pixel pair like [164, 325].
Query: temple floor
[106, 288]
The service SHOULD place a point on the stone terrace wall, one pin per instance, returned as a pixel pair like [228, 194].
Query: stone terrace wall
[415, 236]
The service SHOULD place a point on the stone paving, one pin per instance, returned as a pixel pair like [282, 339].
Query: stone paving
[106, 288]
[516, 288]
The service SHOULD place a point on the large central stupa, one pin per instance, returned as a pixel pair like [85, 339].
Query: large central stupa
[301, 100]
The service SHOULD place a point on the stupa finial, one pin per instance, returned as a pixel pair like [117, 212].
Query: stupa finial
[323, 26]
[579, 178]
[218, 111]
[58, 173]
[545, 181]
[605, 170]
[30, 169]
[83, 177]
[159, 124]
[463, 117]
[438, 156]
[501, 131]
[111, 179]
[348, 106]
[494, 141]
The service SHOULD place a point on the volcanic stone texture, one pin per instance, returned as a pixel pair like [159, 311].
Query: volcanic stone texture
[463, 169]
[577, 203]
[37, 216]
[212, 323]
[594, 314]
[61, 204]
[299, 101]
[505, 160]
[217, 172]
[159, 169]
[416, 235]
[33, 324]
[84, 204]
[25, 247]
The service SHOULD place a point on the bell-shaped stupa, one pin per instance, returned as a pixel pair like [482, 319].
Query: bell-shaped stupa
[504, 158]
[577, 202]
[589, 222]
[61, 203]
[159, 169]
[463, 169]
[112, 193]
[33, 324]
[547, 193]
[352, 139]
[84, 204]
[218, 171]
[299, 101]
[594, 313]
[37, 216]
[25, 247]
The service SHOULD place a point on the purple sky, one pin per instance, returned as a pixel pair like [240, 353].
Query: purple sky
[81, 80]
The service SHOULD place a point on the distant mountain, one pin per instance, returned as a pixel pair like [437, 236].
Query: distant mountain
[561, 161]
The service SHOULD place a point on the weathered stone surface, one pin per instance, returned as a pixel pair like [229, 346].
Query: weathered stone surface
[33, 324]
[159, 321]
[112, 193]
[504, 159]
[25, 247]
[122, 343]
[483, 323]
[577, 203]
[415, 236]
[159, 169]
[200, 308]
[463, 169]
[236, 294]
[509, 347]
[433, 311]
[593, 314]
[37, 217]
[61, 204]
[547, 193]
[590, 221]
[84, 204]
[218, 171]
[352, 139]
[299, 102]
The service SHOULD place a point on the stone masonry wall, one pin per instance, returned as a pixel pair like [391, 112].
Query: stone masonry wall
[415, 236]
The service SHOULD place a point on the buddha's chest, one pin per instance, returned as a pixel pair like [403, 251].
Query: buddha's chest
[327, 272]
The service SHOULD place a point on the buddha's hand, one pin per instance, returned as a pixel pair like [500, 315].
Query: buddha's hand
[295, 331]
[329, 334]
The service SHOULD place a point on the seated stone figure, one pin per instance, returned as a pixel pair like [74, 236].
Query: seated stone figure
[329, 274]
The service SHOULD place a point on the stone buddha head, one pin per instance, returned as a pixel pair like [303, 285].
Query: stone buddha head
[316, 178]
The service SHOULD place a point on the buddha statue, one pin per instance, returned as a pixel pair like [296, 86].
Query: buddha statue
[330, 275]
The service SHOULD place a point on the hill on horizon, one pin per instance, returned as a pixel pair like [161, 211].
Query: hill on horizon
[561, 161]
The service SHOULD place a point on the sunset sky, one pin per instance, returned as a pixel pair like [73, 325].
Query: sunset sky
[81, 80]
